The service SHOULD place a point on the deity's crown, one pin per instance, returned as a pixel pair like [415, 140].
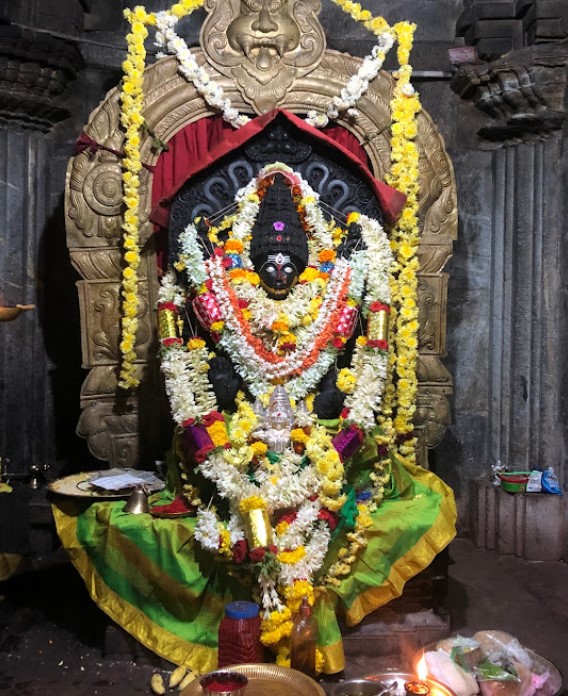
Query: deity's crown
[278, 228]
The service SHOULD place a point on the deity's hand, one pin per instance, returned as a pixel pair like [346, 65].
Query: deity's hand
[225, 382]
[329, 402]
[351, 242]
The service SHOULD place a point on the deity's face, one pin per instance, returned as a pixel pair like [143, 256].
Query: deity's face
[264, 31]
[278, 275]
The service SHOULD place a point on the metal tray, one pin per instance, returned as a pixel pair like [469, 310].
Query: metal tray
[391, 683]
[269, 680]
[79, 486]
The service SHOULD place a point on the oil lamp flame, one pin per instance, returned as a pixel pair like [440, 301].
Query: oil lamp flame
[419, 686]
[422, 669]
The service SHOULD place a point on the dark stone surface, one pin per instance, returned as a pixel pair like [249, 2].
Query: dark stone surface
[500, 26]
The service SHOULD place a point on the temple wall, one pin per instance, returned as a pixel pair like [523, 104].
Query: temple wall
[508, 293]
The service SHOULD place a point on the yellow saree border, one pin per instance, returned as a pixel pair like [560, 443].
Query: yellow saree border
[154, 637]
[418, 557]
[333, 657]
[10, 564]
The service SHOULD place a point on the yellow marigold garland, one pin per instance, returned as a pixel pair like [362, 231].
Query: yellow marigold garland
[132, 120]
[400, 399]
[405, 176]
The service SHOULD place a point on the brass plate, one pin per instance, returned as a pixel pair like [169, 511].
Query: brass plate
[269, 680]
[78, 486]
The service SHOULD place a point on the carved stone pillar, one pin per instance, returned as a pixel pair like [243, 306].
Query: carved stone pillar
[523, 96]
[35, 70]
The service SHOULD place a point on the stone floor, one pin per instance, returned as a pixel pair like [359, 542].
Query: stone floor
[51, 635]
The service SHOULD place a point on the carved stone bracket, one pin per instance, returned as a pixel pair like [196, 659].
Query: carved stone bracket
[524, 92]
[34, 71]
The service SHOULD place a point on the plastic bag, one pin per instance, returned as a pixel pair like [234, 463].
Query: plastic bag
[496, 469]
[550, 482]
[534, 484]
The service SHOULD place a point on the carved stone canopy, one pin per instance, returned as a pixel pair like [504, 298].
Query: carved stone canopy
[132, 429]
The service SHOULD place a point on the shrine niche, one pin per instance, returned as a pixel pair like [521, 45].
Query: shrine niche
[271, 219]
[111, 419]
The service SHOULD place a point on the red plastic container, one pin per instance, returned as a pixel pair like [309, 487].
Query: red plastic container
[239, 635]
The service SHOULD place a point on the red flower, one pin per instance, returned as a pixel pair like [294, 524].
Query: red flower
[171, 342]
[344, 413]
[337, 342]
[380, 344]
[215, 336]
[243, 304]
[328, 517]
[187, 422]
[201, 454]
[219, 251]
[211, 417]
[377, 306]
[288, 517]
[240, 551]
[209, 284]
[227, 262]
[257, 555]
[168, 305]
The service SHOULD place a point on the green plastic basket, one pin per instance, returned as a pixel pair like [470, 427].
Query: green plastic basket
[514, 481]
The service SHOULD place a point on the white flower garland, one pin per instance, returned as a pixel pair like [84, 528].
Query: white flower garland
[214, 95]
[169, 291]
[289, 483]
[166, 37]
[370, 364]
[356, 86]
[187, 385]
[286, 485]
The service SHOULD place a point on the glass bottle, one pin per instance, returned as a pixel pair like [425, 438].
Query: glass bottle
[303, 640]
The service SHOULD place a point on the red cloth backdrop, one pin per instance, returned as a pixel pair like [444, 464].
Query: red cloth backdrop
[200, 144]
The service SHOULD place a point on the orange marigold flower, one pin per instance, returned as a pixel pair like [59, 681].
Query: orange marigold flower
[326, 255]
[279, 326]
[233, 246]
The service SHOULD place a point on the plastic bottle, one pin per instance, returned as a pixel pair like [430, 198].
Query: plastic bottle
[303, 640]
[239, 635]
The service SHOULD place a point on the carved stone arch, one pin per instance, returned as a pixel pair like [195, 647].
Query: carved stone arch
[127, 430]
